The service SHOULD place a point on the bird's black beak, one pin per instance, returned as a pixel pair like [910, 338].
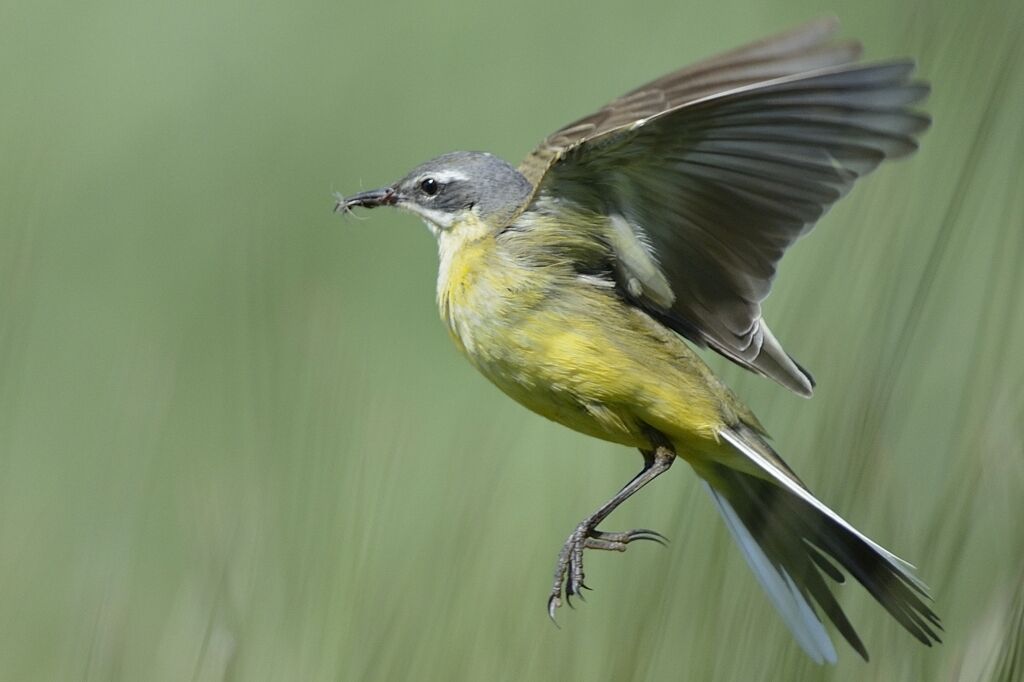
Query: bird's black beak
[386, 196]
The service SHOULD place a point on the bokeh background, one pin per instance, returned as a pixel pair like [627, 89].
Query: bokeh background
[236, 442]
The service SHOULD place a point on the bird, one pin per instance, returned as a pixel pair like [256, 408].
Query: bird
[583, 282]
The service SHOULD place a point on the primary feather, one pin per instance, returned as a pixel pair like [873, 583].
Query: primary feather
[720, 167]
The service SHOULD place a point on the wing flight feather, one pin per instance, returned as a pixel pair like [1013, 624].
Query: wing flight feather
[721, 166]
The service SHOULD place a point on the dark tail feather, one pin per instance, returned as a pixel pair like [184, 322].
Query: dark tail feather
[798, 542]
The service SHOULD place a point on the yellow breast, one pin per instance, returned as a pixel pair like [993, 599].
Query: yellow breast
[570, 349]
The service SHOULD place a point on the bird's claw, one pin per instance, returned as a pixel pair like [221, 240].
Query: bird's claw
[569, 568]
[617, 542]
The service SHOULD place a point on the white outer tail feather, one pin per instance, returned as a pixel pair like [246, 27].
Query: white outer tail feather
[791, 604]
[905, 568]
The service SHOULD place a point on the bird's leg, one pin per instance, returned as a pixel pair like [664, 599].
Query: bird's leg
[569, 570]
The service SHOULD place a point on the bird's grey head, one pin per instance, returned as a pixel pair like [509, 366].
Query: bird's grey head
[452, 189]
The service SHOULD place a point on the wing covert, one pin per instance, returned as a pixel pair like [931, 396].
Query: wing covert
[720, 167]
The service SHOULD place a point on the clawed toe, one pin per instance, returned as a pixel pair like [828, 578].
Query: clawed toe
[618, 541]
[569, 569]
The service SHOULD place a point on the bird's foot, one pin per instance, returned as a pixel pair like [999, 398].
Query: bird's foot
[569, 569]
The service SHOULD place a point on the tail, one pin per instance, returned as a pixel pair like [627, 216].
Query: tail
[790, 540]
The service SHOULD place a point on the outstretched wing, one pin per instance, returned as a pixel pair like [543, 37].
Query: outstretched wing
[718, 168]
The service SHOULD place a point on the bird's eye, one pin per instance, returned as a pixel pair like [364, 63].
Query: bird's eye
[429, 186]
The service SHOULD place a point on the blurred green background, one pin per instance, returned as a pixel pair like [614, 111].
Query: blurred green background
[236, 442]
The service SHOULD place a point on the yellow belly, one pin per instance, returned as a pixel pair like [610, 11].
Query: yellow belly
[574, 352]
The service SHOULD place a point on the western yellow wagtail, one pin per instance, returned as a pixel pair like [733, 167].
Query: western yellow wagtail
[575, 281]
